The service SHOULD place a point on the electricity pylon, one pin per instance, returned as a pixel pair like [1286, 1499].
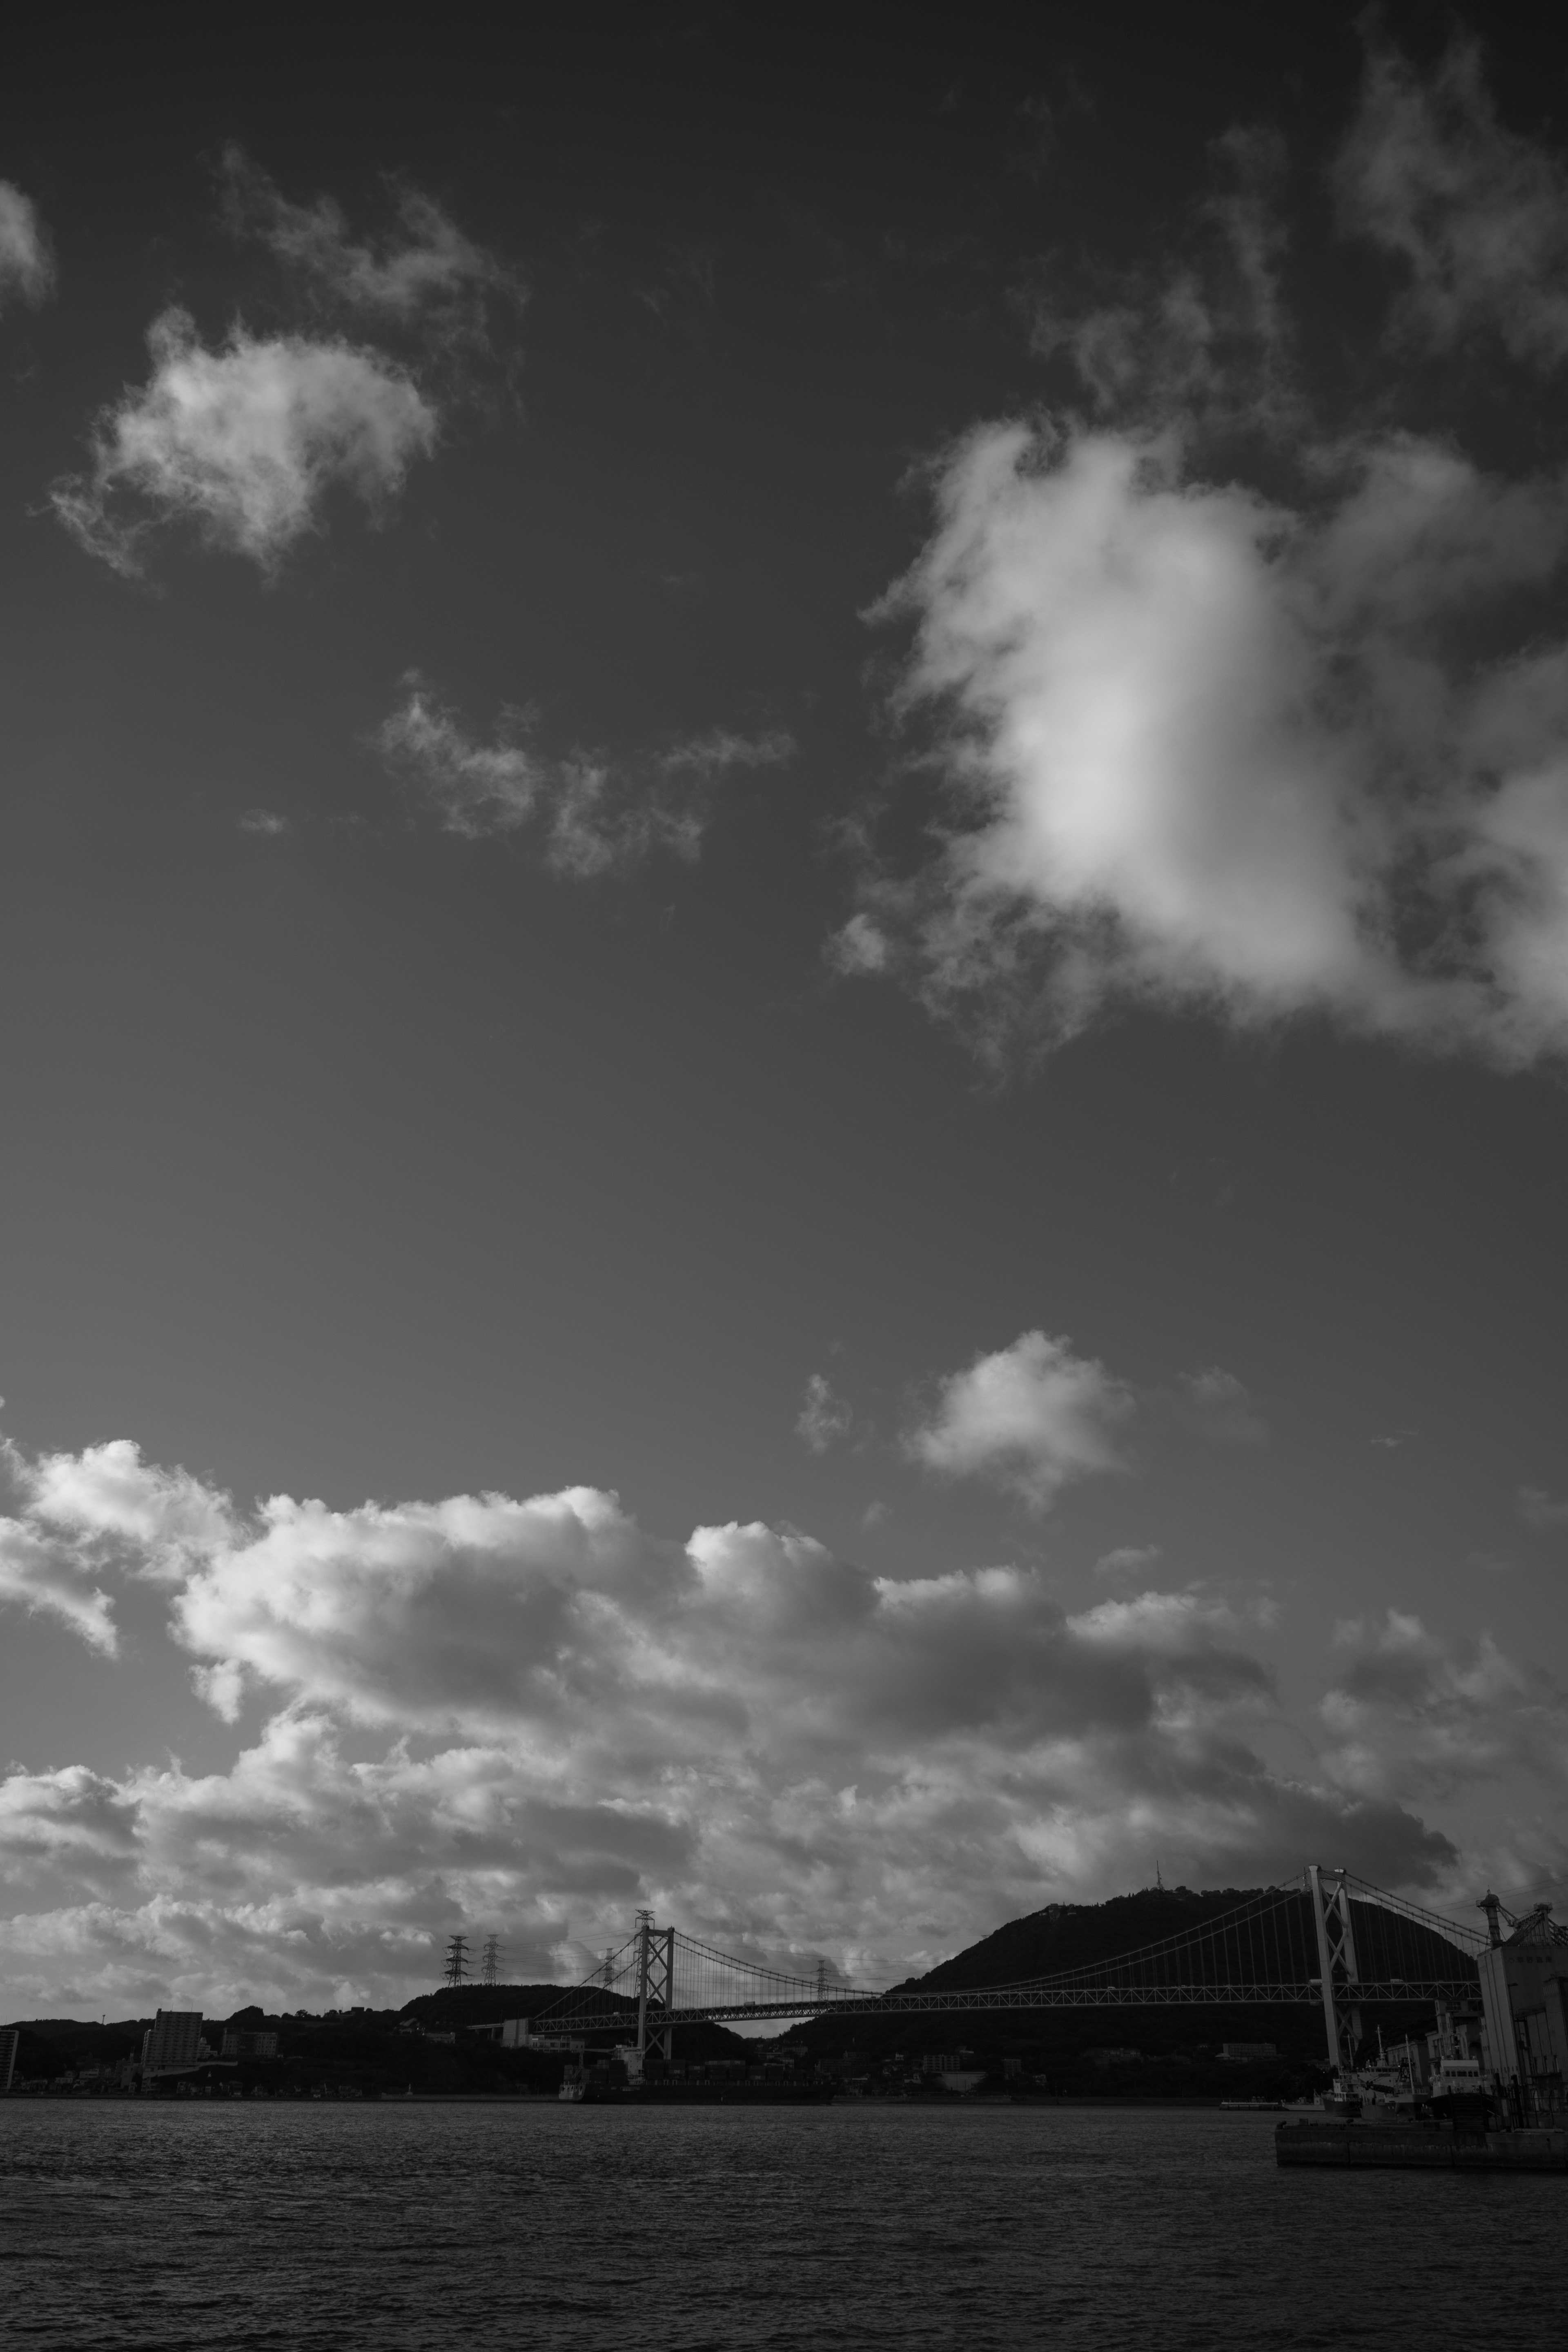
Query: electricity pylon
[490, 1960]
[457, 1959]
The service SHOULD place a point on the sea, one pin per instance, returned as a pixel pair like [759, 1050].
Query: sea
[233, 2224]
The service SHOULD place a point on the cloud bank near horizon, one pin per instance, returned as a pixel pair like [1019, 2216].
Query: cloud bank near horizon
[536, 1713]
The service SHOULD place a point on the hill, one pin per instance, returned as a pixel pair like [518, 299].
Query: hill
[1076, 1934]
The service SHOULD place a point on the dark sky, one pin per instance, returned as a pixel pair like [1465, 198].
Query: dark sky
[1179, 1258]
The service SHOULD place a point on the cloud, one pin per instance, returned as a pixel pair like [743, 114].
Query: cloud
[245, 444]
[1477, 214]
[26, 261]
[1128, 1560]
[1031, 1418]
[161, 1520]
[1203, 750]
[1230, 705]
[266, 822]
[823, 1418]
[1218, 1406]
[423, 274]
[1538, 1510]
[1202, 331]
[536, 1713]
[46, 1580]
[597, 815]
[1417, 1717]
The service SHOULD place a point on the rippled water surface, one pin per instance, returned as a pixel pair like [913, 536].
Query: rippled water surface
[855, 2224]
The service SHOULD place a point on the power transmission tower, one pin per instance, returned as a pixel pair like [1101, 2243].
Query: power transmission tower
[490, 1961]
[457, 1958]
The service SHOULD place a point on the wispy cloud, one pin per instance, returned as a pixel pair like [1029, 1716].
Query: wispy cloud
[48, 1579]
[823, 1418]
[26, 258]
[243, 445]
[1128, 1560]
[597, 815]
[421, 274]
[1476, 214]
[1218, 1406]
[1537, 1509]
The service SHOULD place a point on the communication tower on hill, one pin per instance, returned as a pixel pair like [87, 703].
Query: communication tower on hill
[457, 1959]
[491, 1961]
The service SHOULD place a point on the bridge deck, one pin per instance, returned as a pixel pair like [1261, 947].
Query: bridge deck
[1451, 1989]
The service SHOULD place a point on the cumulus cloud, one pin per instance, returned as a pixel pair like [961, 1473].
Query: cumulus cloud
[1259, 752]
[1477, 214]
[165, 1521]
[824, 1417]
[597, 816]
[26, 262]
[1031, 1418]
[243, 444]
[422, 273]
[1206, 750]
[757, 1737]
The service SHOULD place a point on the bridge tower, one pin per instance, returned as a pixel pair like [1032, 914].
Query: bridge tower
[655, 1978]
[1337, 1970]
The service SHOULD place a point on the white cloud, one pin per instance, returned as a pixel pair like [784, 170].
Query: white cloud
[763, 1740]
[423, 274]
[1477, 214]
[26, 263]
[165, 1520]
[824, 1417]
[245, 444]
[46, 1580]
[1030, 1417]
[1264, 753]
[597, 815]
[1206, 751]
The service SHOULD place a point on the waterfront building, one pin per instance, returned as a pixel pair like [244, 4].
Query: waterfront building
[173, 2039]
[239, 2042]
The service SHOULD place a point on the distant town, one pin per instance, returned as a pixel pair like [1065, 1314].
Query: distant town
[445, 2045]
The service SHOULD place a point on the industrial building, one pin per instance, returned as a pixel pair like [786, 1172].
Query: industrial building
[1524, 2004]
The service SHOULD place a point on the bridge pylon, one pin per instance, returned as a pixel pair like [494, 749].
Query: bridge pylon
[1338, 1971]
[655, 1980]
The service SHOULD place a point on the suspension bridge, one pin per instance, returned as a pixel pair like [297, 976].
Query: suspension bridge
[1324, 1939]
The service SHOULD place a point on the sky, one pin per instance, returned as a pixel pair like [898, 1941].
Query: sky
[783, 899]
